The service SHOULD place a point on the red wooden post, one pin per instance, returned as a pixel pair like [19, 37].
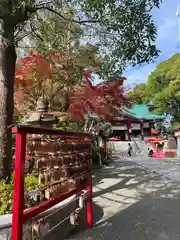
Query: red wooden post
[129, 131]
[90, 206]
[142, 130]
[90, 200]
[150, 126]
[18, 203]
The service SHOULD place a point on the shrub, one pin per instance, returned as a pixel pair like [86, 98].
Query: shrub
[32, 183]
[6, 192]
[6, 197]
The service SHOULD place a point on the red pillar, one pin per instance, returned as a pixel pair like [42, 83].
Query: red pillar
[150, 126]
[129, 131]
[18, 202]
[90, 205]
[90, 200]
[142, 130]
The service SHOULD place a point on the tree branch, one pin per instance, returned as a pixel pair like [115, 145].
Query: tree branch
[34, 32]
[63, 17]
[25, 35]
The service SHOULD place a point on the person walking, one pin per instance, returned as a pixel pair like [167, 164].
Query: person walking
[129, 150]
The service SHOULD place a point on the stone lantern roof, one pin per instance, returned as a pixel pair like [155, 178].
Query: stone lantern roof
[42, 117]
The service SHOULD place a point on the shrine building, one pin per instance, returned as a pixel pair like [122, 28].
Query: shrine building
[135, 121]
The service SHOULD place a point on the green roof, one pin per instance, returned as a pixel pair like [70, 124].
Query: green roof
[141, 112]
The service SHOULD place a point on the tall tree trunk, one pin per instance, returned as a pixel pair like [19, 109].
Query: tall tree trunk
[7, 73]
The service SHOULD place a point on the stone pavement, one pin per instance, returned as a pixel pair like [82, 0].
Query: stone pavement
[169, 168]
[134, 203]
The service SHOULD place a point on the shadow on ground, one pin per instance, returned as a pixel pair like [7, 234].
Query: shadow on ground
[142, 205]
[127, 175]
[150, 218]
[97, 216]
[65, 229]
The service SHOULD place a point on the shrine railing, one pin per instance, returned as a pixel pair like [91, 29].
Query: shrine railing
[61, 163]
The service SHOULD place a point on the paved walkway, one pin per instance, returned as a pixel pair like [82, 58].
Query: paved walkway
[169, 168]
[134, 203]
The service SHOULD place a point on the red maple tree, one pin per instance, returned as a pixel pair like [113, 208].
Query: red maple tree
[34, 77]
[105, 99]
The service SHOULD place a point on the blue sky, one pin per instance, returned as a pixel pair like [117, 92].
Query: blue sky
[167, 41]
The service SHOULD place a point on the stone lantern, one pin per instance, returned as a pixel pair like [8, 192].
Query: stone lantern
[42, 117]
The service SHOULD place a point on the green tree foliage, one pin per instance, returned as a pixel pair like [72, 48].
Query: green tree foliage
[64, 37]
[166, 72]
[124, 30]
[163, 88]
[138, 93]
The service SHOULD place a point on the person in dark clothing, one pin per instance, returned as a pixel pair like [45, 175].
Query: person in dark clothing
[129, 149]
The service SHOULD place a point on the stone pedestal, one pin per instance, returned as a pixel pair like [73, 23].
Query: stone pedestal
[178, 146]
[177, 135]
[170, 147]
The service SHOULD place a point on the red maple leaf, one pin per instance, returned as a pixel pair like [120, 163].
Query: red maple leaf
[105, 99]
